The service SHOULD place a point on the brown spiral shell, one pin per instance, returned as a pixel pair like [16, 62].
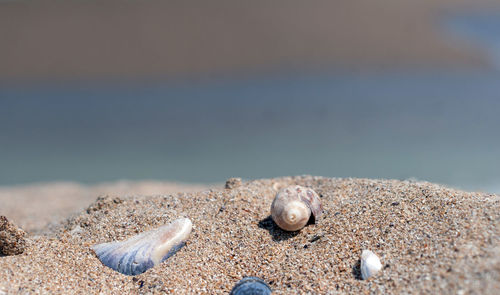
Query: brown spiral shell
[293, 206]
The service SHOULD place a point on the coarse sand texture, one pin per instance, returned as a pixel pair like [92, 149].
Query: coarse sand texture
[429, 238]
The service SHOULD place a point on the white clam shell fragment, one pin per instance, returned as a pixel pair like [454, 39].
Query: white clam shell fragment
[293, 206]
[370, 264]
[143, 251]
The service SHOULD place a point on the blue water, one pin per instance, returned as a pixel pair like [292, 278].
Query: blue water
[440, 126]
[481, 30]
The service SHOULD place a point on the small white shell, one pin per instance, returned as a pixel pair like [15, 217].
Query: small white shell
[370, 264]
[143, 251]
[292, 207]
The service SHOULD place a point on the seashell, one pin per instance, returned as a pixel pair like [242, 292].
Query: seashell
[251, 286]
[293, 205]
[370, 264]
[143, 251]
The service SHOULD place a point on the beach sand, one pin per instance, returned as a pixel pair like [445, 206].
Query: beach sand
[81, 40]
[40, 206]
[430, 239]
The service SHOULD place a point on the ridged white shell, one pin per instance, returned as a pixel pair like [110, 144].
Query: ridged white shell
[143, 251]
[370, 264]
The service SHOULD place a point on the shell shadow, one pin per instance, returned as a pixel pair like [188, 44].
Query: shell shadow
[356, 270]
[277, 233]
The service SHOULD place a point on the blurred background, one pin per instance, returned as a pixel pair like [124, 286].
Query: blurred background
[199, 91]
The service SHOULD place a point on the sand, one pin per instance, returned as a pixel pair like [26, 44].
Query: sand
[431, 239]
[154, 39]
[40, 206]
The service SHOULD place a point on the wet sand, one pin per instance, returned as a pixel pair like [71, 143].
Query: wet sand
[430, 239]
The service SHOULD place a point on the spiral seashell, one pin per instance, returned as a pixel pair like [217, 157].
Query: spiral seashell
[370, 264]
[292, 207]
[251, 286]
[143, 251]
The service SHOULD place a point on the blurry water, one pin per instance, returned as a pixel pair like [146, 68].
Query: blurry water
[481, 29]
[436, 126]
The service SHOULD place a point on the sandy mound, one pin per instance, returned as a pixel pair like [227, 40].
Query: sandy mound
[35, 207]
[430, 239]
